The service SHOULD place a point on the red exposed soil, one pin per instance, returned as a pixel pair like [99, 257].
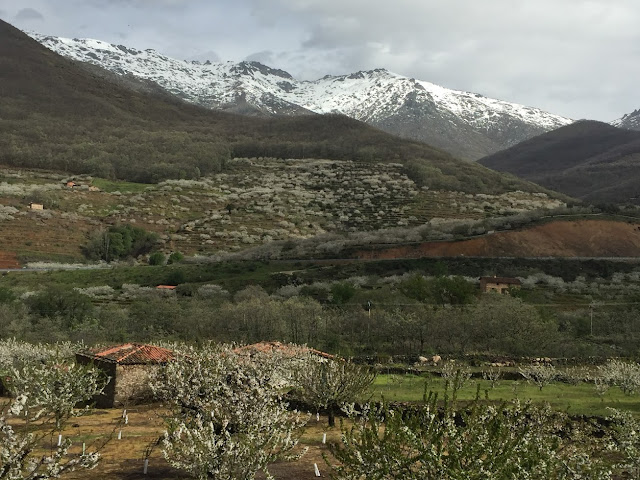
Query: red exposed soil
[582, 238]
[35, 234]
[9, 260]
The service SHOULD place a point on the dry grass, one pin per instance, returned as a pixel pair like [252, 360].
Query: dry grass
[124, 459]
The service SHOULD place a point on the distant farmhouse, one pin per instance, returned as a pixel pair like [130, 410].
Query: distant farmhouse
[129, 365]
[36, 206]
[498, 284]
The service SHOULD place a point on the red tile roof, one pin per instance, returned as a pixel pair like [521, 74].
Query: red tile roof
[132, 354]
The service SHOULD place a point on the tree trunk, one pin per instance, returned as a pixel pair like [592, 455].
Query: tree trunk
[332, 417]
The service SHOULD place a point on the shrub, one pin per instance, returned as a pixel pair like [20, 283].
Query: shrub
[176, 277]
[157, 258]
[119, 241]
[175, 257]
[342, 292]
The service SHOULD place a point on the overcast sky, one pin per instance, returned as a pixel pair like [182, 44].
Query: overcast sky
[576, 58]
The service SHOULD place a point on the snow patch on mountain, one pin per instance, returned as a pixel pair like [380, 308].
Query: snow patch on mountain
[630, 121]
[374, 96]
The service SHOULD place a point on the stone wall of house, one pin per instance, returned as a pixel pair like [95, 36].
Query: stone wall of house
[497, 287]
[132, 384]
[105, 400]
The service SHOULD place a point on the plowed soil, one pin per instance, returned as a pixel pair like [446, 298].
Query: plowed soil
[582, 238]
[8, 260]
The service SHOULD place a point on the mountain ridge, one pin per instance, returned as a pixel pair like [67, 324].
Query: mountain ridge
[590, 160]
[630, 121]
[58, 114]
[465, 124]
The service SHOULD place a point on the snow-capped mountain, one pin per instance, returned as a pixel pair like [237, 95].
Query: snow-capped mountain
[630, 121]
[466, 124]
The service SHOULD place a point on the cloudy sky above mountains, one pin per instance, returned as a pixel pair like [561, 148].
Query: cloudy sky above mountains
[578, 58]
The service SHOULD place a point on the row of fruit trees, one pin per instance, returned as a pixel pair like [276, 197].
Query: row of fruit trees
[228, 417]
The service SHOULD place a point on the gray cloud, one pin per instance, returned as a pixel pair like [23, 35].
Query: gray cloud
[578, 58]
[209, 56]
[266, 57]
[27, 14]
[142, 3]
[528, 52]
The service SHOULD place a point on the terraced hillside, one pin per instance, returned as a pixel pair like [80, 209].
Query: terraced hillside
[256, 201]
[9, 260]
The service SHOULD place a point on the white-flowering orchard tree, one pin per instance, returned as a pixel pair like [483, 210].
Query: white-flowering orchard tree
[330, 383]
[620, 373]
[228, 419]
[540, 375]
[477, 442]
[14, 353]
[53, 390]
[46, 398]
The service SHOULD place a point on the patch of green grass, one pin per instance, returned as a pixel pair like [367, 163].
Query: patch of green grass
[119, 186]
[25, 256]
[578, 399]
[231, 276]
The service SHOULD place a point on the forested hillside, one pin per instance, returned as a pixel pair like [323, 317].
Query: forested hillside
[56, 115]
[589, 160]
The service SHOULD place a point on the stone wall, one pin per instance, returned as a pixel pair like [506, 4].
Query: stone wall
[132, 384]
[105, 400]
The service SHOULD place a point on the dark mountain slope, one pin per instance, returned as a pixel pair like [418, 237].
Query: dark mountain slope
[465, 124]
[589, 160]
[57, 115]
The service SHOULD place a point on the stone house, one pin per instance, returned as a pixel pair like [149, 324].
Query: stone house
[130, 366]
[36, 206]
[498, 284]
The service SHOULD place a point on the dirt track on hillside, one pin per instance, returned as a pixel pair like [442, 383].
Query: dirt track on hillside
[583, 238]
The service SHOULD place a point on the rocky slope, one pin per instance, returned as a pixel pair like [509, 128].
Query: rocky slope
[465, 124]
[630, 121]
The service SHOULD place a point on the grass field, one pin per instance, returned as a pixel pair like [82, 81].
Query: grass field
[580, 399]
[228, 275]
[124, 458]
